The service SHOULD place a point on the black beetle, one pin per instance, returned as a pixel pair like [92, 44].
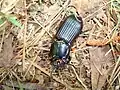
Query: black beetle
[60, 48]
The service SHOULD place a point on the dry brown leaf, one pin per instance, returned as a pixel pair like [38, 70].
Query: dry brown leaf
[74, 61]
[84, 6]
[7, 53]
[53, 9]
[8, 5]
[100, 66]
[98, 42]
[24, 85]
[20, 4]
[102, 16]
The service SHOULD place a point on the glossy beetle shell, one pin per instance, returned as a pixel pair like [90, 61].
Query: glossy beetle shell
[70, 29]
[60, 51]
[60, 48]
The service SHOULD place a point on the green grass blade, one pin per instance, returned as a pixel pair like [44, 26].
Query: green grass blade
[14, 21]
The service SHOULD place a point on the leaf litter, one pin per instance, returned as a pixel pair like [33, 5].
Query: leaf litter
[95, 64]
[7, 53]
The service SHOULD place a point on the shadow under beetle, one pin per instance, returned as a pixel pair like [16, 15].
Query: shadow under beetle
[60, 48]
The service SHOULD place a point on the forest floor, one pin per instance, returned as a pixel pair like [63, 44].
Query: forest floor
[27, 28]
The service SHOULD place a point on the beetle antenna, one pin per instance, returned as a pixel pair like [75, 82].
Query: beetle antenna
[51, 75]
[71, 65]
[53, 69]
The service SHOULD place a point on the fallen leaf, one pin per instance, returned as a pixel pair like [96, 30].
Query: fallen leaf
[84, 6]
[23, 85]
[100, 66]
[7, 53]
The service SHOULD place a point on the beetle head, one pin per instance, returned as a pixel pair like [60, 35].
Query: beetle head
[60, 63]
[60, 53]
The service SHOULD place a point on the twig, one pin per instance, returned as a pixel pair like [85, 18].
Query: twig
[6, 73]
[30, 65]
[102, 42]
[96, 11]
[116, 65]
[42, 27]
[53, 18]
[47, 73]
[15, 75]
[23, 85]
[9, 6]
[1, 2]
[48, 24]
[1, 43]
[25, 31]
[117, 75]
[79, 78]
[97, 68]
